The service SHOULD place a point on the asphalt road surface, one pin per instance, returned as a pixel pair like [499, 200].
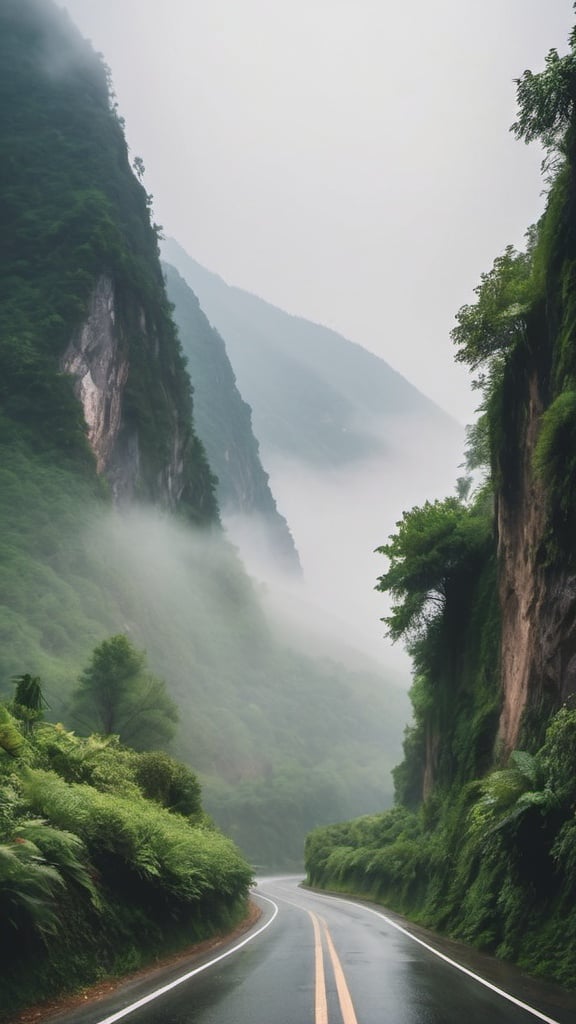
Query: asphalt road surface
[316, 959]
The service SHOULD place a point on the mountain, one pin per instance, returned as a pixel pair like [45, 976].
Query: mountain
[316, 397]
[86, 330]
[109, 522]
[344, 439]
[223, 422]
[481, 843]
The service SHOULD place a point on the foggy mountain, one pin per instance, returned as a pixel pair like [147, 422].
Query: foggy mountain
[315, 395]
[348, 444]
[109, 521]
[223, 422]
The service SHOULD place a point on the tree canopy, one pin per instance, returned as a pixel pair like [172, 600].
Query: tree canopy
[547, 100]
[431, 545]
[118, 695]
[490, 326]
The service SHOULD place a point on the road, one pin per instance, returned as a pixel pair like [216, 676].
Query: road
[316, 959]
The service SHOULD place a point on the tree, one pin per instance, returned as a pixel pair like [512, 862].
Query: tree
[547, 100]
[29, 700]
[488, 328]
[118, 695]
[433, 543]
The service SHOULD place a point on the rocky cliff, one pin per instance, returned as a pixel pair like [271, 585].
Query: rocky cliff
[224, 424]
[533, 443]
[82, 288]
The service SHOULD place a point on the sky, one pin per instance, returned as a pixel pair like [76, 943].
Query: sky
[348, 160]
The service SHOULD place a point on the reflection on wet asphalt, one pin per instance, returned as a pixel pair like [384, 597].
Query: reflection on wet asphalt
[330, 961]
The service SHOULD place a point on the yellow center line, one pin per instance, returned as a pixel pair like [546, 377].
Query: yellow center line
[348, 1014]
[320, 1004]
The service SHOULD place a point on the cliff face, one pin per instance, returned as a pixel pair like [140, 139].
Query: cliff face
[100, 372]
[521, 521]
[535, 441]
[224, 424]
[98, 360]
[82, 285]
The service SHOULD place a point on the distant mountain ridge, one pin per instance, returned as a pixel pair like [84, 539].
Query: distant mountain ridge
[223, 422]
[315, 395]
[102, 477]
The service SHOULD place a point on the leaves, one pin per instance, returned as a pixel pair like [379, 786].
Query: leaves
[28, 886]
[11, 739]
[546, 100]
[433, 543]
[492, 325]
[117, 695]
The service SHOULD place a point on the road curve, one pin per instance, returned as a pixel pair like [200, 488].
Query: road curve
[318, 959]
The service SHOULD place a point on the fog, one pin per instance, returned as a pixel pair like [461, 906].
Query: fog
[348, 160]
[338, 517]
[303, 731]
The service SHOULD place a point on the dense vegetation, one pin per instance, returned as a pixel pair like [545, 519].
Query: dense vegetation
[481, 841]
[73, 569]
[107, 858]
[73, 211]
[224, 424]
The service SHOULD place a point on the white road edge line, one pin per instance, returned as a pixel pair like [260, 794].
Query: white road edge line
[441, 956]
[190, 974]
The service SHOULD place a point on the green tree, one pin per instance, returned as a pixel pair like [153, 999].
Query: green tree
[118, 695]
[546, 101]
[29, 700]
[432, 544]
[491, 326]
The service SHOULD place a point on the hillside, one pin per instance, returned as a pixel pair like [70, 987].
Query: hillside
[481, 843]
[107, 861]
[84, 315]
[342, 436]
[223, 422]
[109, 522]
[316, 397]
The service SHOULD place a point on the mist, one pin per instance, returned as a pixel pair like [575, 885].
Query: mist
[349, 161]
[338, 517]
[286, 730]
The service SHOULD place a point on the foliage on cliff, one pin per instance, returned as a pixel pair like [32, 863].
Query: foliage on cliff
[223, 422]
[73, 570]
[481, 842]
[491, 862]
[72, 211]
[107, 860]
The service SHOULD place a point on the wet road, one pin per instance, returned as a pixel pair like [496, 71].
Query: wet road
[315, 959]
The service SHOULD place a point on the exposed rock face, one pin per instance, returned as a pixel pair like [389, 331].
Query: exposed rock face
[100, 370]
[521, 523]
[97, 357]
[538, 602]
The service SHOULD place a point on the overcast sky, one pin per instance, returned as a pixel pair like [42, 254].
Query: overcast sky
[348, 160]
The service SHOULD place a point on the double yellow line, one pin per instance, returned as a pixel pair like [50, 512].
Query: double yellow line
[320, 1002]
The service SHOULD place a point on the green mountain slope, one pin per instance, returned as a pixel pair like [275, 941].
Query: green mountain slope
[107, 862]
[315, 396]
[482, 842]
[223, 422]
[81, 287]
[102, 477]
